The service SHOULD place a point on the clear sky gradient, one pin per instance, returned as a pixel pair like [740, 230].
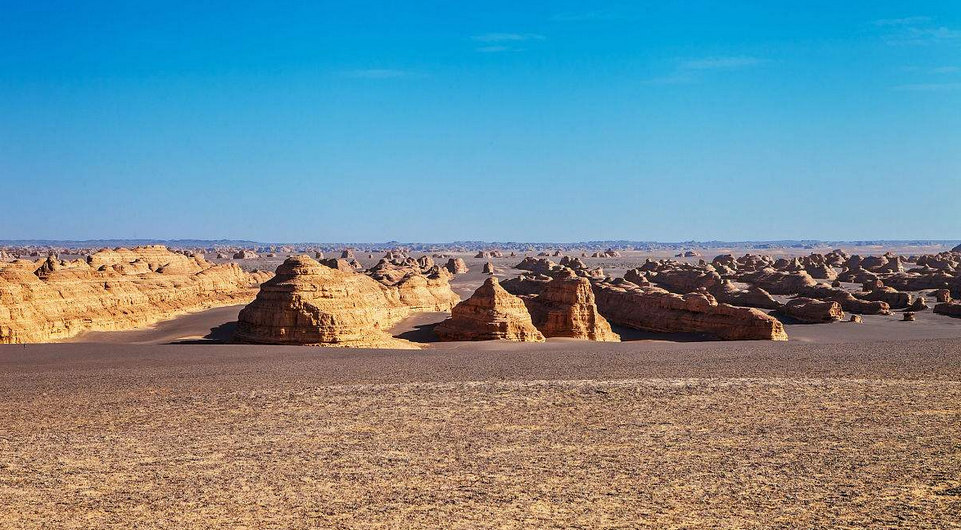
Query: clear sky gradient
[440, 121]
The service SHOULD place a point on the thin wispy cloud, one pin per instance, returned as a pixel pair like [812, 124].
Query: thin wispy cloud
[507, 37]
[495, 49]
[376, 73]
[587, 16]
[928, 87]
[675, 79]
[915, 31]
[693, 70]
[906, 21]
[721, 63]
[946, 70]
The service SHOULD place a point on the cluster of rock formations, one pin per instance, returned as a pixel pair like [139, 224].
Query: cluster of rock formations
[51, 299]
[310, 303]
[652, 308]
[336, 302]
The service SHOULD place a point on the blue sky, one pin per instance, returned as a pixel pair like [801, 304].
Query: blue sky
[438, 121]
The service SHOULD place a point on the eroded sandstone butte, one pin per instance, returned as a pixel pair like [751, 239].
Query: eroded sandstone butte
[566, 308]
[309, 303]
[491, 313]
[50, 300]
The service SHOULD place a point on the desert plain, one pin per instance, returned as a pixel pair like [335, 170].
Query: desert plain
[173, 425]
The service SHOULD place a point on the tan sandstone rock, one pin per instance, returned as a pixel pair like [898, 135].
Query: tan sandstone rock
[491, 313]
[811, 311]
[308, 303]
[566, 308]
[656, 309]
[118, 289]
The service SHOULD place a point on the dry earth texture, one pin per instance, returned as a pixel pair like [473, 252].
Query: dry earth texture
[573, 434]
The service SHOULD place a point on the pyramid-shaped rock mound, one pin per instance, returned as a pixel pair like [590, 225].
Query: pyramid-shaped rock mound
[309, 303]
[566, 308]
[491, 313]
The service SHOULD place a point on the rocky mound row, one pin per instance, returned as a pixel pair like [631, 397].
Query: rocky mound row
[655, 309]
[310, 303]
[50, 300]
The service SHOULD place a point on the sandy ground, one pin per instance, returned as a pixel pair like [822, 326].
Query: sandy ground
[575, 435]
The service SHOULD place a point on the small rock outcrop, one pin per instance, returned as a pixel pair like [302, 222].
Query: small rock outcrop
[951, 309]
[491, 313]
[456, 266]
[811, 311]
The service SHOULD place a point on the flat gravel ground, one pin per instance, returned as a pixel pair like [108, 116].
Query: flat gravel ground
[567, 435]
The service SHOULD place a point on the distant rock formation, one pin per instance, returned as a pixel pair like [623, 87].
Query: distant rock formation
[419, 290]
[50, 300]
[489, 268]
[456, 266]
[779, 282]
[491, 313]
[308, 303]
[751, 296]
[951, 309]
[566, 308]
[245, 254]
[811, 311]
[655, 309]
[956, 249]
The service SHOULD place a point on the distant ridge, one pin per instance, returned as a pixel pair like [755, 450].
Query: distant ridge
[474, 245]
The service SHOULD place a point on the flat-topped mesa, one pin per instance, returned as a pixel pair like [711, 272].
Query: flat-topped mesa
[491, 313]
[51, 300]
[658, 310]
[566, 308]
[309, 303]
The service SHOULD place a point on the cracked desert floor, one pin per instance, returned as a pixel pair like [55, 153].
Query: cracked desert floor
[565, 435]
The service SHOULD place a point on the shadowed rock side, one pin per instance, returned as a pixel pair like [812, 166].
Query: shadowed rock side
[951, 309]
[491, 313]
[309, 303]
[112, 290]
[655, 309]
[566, 308]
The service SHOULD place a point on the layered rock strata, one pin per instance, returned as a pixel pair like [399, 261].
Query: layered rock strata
[52, 300]
[491, 313]
[309, 303]
[658, 310]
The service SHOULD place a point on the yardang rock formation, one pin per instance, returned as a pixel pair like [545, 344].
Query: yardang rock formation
[309, 303]
[118, 289]
[491, 313]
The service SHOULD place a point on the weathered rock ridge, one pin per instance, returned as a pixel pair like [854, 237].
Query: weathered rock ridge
[52, 300]
[656, 309]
